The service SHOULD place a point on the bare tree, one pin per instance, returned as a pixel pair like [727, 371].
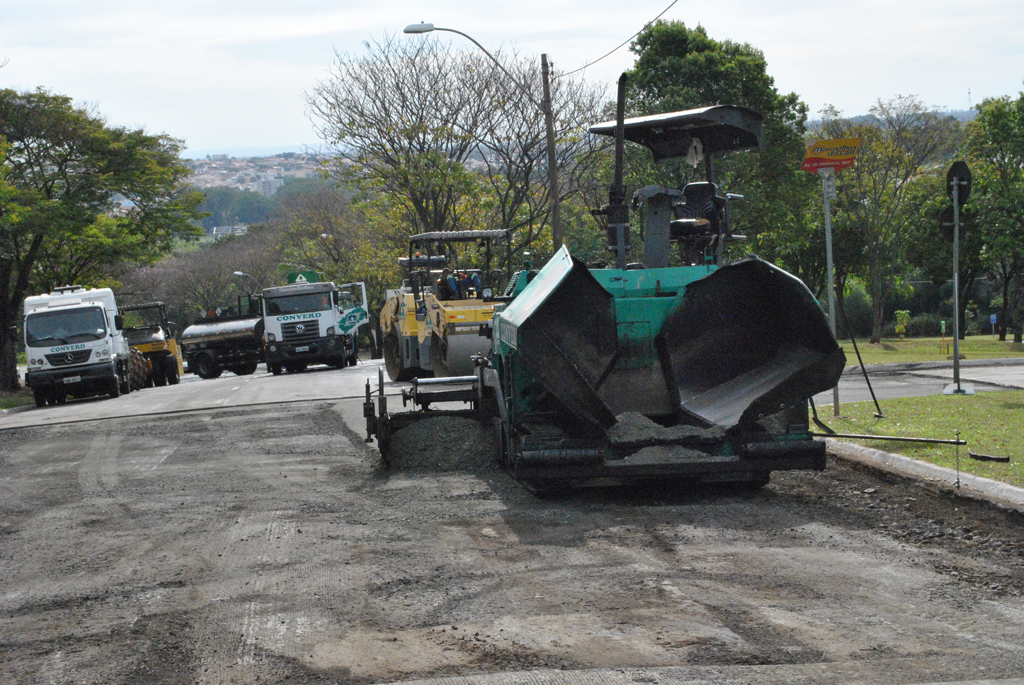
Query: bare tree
[397, 118]
[511, 142]
[194, 282]
[408, 121]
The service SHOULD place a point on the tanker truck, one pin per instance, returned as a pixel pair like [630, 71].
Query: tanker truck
[232, 342]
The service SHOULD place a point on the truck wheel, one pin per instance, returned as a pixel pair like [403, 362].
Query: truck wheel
[206, 368]
[275, 369]
[137, 370]
[40, 397]
[353, 357]
[393, 360]
[159, 372]
[171, 370]
[245, 369]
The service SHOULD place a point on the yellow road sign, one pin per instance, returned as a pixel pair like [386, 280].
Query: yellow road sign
[831, 154]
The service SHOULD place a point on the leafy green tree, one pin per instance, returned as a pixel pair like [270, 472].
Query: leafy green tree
[679, 68]
[79, 198]
[300, 186]
[995, 149]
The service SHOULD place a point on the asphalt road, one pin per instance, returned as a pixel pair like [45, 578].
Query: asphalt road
[887, 381]
[237, 530]
[195, 394]
[890, 381]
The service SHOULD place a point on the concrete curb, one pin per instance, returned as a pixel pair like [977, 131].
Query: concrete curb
[974, 487]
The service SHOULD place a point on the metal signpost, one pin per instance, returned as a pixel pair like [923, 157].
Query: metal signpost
[958, 187]
[825, 158]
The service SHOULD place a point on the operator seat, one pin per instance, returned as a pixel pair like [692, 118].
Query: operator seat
[699, 215]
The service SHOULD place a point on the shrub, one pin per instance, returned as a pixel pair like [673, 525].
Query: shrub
[902, 318]
[925, 325]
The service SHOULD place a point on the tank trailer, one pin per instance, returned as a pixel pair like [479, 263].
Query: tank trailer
[229, 343]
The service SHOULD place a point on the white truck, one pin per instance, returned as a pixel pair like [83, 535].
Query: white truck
[312, 323]
[74, 345]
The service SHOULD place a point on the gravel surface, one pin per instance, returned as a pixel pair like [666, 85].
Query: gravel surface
[443, 444]
[269, 545]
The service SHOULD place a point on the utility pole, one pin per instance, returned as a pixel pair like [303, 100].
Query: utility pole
[549, 124]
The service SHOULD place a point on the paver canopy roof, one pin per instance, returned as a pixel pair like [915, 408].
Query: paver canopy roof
[720, 128]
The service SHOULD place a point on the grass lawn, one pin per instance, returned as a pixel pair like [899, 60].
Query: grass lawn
[15, 398]
[990, 422]
[894, 350]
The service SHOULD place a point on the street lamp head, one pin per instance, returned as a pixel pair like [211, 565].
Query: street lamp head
[418, 28]
[239, 273]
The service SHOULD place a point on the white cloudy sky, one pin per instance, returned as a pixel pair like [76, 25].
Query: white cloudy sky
[225, 74]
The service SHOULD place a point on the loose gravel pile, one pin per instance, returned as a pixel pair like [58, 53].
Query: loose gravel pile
[444, 444]
[633, 428]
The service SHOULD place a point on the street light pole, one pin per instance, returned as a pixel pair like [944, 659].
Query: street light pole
[251, 278]
[545, 107]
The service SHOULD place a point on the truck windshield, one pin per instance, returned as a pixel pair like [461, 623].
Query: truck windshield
[47, 329]
[297, 304]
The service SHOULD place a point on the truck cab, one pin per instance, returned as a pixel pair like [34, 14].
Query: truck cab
[74, 345]
[311, 323]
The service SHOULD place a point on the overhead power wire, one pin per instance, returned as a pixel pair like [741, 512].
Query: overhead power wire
[616, 49]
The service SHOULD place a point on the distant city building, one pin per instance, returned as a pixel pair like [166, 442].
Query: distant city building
[264, 175]
[266, 186]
